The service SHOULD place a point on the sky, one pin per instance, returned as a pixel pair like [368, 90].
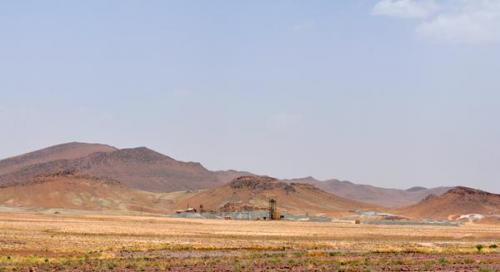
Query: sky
[392, 93]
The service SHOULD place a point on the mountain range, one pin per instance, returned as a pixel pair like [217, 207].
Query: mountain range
[144, 169]
[371, 194]
[139, 168]
[101, 177]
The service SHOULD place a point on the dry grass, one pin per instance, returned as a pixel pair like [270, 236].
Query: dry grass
[117, 242]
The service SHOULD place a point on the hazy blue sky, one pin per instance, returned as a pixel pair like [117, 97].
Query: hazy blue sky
[392, 93]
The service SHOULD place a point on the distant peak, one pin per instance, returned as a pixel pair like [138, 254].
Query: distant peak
[79, 144]
[311, 178]
[75, 143]
[462, 190]
[304, 179]
[259, 183]
[69, 150]
[416, 189]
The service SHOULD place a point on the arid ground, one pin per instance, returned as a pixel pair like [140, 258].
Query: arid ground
[77, 242]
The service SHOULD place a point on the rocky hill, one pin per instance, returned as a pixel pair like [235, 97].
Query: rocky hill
[77, 191]
[457, 201]
[74, 191]
[139, 168]
[254, 192]
[66, 151]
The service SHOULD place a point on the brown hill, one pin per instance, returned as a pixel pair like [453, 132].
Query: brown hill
[457, 201]
[139, 168]
[58, 152]
[69, 191]
[253, 192]
[145, 169]
[371, 194]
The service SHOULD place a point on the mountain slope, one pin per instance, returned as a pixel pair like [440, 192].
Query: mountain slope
[139, 168]
[70, 191]
[372, 194]
[58, 152]
[255, 192]
[457, 201]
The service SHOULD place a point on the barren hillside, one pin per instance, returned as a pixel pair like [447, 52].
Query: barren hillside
[251, 192]
[139, 168]
[70, 191]
[457, 201]
[144, 169]
[58, 152]
[371, 194]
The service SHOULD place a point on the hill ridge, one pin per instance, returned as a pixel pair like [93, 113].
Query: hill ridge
[455, 202]
[386, 197]
[140, 168]
[71, 150]
[254, 192]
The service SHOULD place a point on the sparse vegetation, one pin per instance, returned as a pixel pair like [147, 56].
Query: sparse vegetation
[117, 243]
[479, 247]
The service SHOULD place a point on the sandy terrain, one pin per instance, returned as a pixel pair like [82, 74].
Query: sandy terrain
[54, 242]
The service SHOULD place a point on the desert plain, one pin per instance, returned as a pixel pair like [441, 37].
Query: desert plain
[73, 241]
